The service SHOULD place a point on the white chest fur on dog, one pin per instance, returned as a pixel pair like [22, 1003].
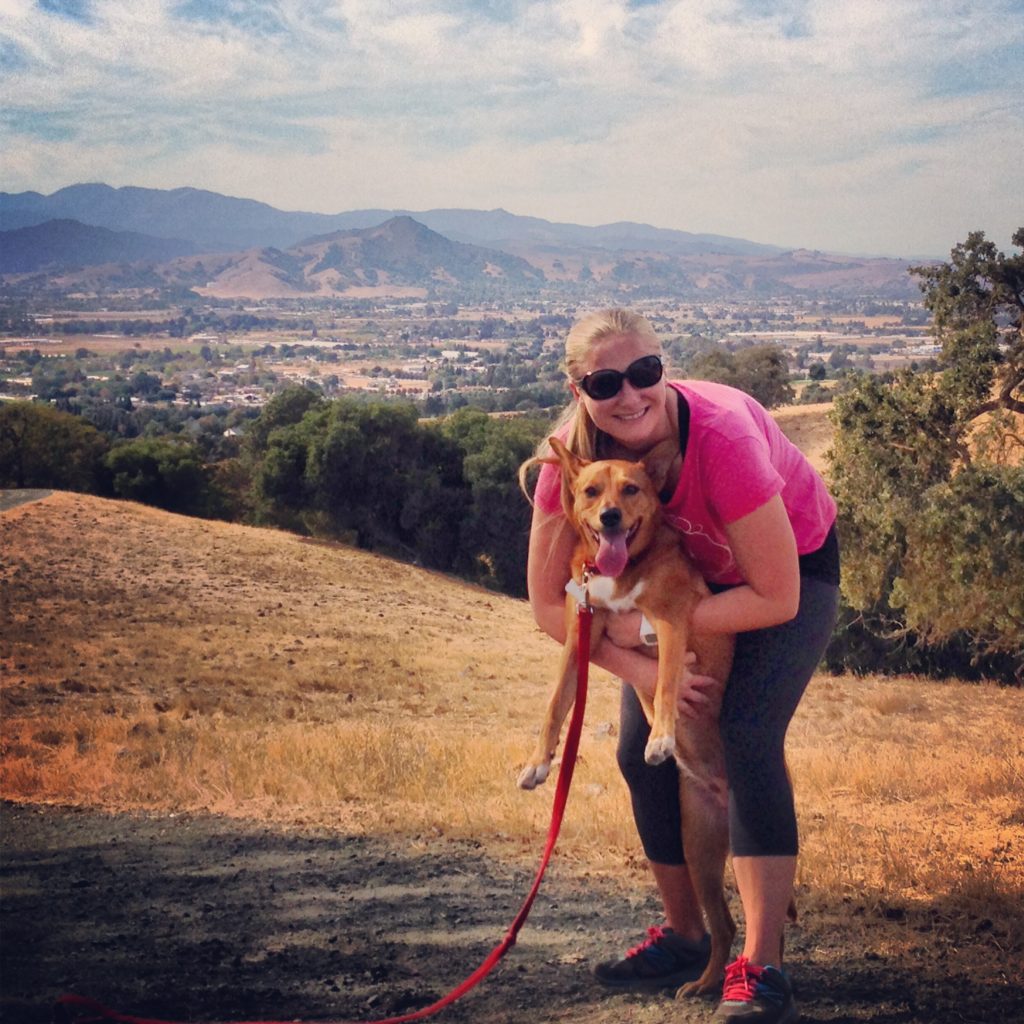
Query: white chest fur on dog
[602, 591]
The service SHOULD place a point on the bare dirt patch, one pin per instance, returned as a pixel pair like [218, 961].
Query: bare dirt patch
[204, 918]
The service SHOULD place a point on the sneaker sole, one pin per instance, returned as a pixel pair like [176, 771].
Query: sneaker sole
[791, 1016]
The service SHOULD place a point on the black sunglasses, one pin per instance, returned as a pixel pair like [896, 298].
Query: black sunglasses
[644, 372]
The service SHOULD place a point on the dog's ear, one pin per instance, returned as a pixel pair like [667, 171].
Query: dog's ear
[658, 461]
[570, 462]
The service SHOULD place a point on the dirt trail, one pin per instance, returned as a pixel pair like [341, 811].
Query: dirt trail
[13, 498]
[205, 918]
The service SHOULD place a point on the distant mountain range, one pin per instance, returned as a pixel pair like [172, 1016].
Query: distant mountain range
[227, 247]
[222, 223]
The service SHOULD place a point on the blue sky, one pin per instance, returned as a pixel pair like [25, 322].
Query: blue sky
[873, 126]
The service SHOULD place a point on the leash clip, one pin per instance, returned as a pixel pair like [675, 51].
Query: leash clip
[579, 593]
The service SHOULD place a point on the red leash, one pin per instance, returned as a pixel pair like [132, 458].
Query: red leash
[72, 1008]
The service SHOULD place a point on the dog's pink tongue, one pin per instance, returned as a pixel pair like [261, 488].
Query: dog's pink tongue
[611, 554]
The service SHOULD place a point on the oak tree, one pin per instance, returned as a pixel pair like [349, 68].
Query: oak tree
[928, 470]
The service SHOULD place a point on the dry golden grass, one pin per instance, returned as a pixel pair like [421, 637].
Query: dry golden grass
[153, 661]
[809, 428]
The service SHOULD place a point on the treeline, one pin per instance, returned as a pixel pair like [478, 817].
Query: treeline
[440, 493]
[43, 447]
[190, 322]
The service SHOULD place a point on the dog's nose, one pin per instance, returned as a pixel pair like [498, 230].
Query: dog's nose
[611, 517]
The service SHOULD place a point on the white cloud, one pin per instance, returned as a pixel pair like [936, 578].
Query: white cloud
[857, 126]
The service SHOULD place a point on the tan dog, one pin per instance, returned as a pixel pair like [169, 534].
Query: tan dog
[629, 559]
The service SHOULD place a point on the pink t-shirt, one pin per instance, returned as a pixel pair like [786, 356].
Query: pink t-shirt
[736, 459]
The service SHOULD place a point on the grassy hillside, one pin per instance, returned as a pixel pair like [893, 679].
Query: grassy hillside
[809, 428]
[154, 661]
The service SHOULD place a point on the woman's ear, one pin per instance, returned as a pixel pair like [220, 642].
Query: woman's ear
[575, 389]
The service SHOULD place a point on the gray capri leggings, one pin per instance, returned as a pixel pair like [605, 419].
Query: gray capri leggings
[770, 672]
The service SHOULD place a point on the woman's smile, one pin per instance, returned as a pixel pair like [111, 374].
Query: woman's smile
[630, 417]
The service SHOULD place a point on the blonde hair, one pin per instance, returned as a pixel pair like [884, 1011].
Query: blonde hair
[584, 438]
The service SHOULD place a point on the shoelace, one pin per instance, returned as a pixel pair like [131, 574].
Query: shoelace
[654, 935]
[741, 978]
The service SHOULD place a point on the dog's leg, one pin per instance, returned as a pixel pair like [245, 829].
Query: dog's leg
[706, 845]
[671, 654]
[562, 696]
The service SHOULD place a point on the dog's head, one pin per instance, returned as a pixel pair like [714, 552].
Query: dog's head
[613, 504]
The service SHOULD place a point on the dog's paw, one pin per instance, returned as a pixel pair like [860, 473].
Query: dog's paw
[659, 749]
[701, 987]
[533, 775]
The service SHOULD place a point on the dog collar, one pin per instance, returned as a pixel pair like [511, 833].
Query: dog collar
[579, 592]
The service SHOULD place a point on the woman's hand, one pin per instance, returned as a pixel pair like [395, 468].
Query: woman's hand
[623, 630]
[691, 700]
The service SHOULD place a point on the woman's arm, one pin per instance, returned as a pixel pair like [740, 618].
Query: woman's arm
[765, 550]
[548, 568]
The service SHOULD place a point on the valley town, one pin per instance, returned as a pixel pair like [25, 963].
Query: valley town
[230, 357]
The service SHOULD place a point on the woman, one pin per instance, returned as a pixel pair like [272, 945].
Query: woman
[759, 523]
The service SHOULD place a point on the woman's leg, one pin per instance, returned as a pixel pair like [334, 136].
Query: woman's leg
[668, 957]
[655, 796]
[682, 911]
[770, 673]
[766, 889]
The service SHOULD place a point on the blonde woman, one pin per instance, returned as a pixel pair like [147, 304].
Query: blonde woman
[759, 523]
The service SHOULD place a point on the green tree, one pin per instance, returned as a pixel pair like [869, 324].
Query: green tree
[146, 384]
[715, 363]
[55, 379]
[495, 530]
[166, 473]
[281, 494]
[42, 447]
[395, 483]
[814, 393]
[371, 473]
[977, 302]
[928, 471]
[282, 410]
[761, 370]
[838, 359]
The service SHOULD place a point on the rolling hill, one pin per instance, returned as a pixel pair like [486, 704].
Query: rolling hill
[60, 245]
[400, 256]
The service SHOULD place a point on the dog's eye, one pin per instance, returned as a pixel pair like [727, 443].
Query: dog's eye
[591, 491]
[630, 489]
